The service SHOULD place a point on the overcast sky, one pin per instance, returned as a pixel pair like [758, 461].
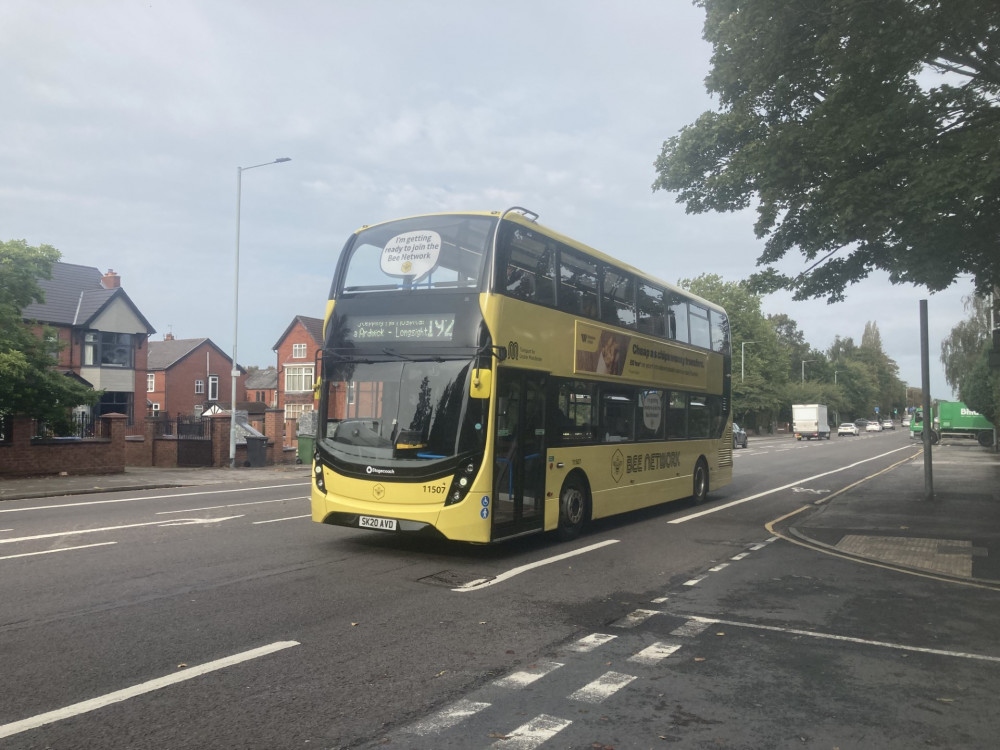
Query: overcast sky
[124, 124]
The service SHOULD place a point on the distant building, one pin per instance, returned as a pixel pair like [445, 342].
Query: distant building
[187, 377]
[104, 333]
[262, 387]
[298, 353]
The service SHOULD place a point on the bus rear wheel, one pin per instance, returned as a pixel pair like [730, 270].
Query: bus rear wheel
[700, 488]
[573, 509]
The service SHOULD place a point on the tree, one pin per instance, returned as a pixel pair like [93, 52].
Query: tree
[29, 385]
[965, 356]
[865, 131]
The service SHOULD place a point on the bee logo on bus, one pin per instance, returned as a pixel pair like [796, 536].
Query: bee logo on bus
[617, 466]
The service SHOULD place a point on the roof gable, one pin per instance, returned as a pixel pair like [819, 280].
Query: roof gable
[312, 326]
[165, 354]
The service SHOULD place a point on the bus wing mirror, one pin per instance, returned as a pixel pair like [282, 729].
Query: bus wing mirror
[481, 385]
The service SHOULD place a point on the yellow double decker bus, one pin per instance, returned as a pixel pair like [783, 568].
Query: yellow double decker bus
[484, 377]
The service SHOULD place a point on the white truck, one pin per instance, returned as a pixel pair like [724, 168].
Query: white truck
[809, 421]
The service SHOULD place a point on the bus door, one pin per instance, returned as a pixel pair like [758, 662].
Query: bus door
[519, 453]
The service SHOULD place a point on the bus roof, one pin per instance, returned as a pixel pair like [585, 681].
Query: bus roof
[516, 216]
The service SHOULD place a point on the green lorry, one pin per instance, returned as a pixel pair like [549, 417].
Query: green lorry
[954, 419]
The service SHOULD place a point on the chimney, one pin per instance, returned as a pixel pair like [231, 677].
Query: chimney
[111, 280]
[168, 337]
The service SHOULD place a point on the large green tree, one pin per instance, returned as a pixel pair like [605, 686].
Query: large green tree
[965, 356]
[865, 132]
[28, 383]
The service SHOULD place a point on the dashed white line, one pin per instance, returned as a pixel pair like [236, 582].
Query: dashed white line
[740, 556]
[591, 642]
[520, 679]
[448, 717]
[654, 654]
[602, 688]
[61, 549]
[694, 581]
[276, 520]
[635, 618]
[482, 583]
[8, 730]
[534, 733]
[693, 627]
[717, 568]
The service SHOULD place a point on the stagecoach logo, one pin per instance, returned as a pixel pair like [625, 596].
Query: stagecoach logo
[376, 470]
[617, 466]
[378, 491]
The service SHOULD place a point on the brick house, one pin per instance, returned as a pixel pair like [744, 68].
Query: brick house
[104, 335]
[298, 354]
[187, 377]
[262, 387]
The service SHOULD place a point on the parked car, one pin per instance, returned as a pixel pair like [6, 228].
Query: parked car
[848, 428]
[888, 424]
[739, 436]
[873, 427]
[861, 424]
[906, 421]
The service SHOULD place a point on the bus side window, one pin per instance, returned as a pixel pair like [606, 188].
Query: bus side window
[617, 413]
[577, 284]
[677, 416]
[618, 302]
[678, 318]
[701, 333]
[575, 406]
[651, 313]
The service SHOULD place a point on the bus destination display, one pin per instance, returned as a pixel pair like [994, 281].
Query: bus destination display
[402, 328]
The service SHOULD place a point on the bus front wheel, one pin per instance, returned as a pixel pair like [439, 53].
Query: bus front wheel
[700, 489]
[573, 505]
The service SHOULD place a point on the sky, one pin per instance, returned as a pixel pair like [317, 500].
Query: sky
[125, 124]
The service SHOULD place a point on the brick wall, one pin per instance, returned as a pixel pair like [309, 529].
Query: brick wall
[24, 457]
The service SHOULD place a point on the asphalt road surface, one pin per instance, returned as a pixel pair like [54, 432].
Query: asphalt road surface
[223, 617]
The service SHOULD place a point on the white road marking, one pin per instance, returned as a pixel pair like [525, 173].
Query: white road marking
[655, 654]
[482, 583]
[585, 645]
[150, 497]
[196, 521]
[231, 505]
[602, 688]
[691, 628]
[8, 730]
[520, 679]
[635, 618]
[716, 509]
[848, 639]
[276, 520]
[717, 568]
[740, 556]
[447, 717]
[537, 731]
[182, 522]
[694, 581]
[61, 549]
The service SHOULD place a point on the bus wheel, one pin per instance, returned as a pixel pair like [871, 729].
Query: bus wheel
[700, 493]
[985, 439]
[935, 437]
[572, 509]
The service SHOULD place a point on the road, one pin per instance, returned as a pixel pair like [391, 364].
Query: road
[223, 617]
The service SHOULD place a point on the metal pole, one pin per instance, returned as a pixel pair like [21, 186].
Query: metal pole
[236, 324]
[925, 381]
[236, 307]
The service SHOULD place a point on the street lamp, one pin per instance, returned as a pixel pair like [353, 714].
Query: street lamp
[804, 368]
[743, 356]
[835, 376]
[236, 304]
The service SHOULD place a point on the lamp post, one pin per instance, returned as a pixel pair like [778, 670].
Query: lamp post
[835, 376]
[804, 368]
[236, 305]
[743, 357]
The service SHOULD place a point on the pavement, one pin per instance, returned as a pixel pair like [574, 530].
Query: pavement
[887, 519]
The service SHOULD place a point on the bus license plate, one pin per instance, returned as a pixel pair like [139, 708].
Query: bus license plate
[383, 524]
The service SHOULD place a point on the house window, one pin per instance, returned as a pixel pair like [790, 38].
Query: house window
[298, 351]
[199, 386]
[298, 379]
[294, 411]
[213, 387]
[352, 389]
[107, 349]
[155, 409]
[150, 383]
